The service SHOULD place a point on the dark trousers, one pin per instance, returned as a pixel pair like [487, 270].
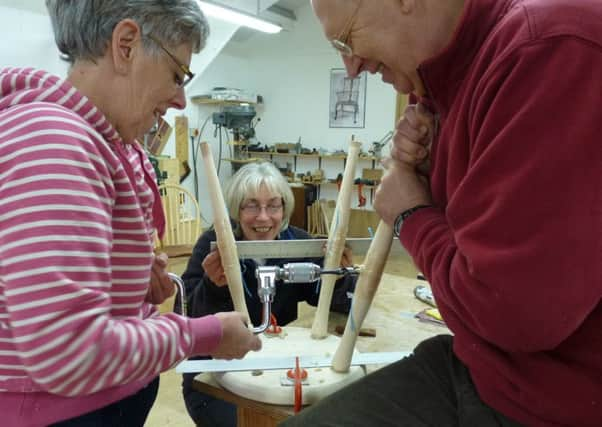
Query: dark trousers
[129, 412]
[429, 388]
[206, 410]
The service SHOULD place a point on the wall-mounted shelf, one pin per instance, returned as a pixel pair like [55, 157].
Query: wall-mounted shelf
[257, 155]
[238, 143]
[319, 157]
[314, 156]
[369, 187]
[218, 102]
[242, 161]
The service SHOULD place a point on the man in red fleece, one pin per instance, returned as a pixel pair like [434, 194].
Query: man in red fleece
[507, 226]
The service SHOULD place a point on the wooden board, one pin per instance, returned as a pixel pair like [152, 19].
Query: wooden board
[159, 138]
[181, 125]
[182, 138]
[298, 218]
[372, 174]
[172, 167]
[360, 220]
[250, 413]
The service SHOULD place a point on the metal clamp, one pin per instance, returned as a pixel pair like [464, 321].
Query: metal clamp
[294, 272]
[266, 289]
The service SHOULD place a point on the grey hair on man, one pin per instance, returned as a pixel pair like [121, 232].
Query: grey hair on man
[83, 28]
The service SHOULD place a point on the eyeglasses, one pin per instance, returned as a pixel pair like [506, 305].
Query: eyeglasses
[341, 43]
[185, 69]
[255, 209]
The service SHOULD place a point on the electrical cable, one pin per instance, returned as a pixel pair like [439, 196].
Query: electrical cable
[219, 157]
[229, 146]
[194, 169]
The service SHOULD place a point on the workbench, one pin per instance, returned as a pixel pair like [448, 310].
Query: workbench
[391, 315]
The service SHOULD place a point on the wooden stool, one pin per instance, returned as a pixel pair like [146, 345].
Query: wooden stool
[250, 413]
[391, 315]
[264, 397]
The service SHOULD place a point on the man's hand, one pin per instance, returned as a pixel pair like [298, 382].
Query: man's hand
[212, 264]
[161, 287]
[400, 189]
[413, 138]
[237, 339]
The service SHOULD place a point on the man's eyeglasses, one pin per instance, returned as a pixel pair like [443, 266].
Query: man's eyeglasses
[255, 209]
[341, 43]
[188, 75]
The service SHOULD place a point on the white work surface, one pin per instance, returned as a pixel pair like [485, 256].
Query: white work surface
[391, 315]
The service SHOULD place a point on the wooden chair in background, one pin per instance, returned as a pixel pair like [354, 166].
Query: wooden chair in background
[183, 216]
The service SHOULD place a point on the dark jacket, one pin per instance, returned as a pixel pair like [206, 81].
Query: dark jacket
[204, 297]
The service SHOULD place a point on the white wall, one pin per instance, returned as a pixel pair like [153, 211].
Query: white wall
[27, 40]
[291, 71]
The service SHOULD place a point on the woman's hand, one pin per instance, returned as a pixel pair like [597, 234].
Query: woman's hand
[161, 286]
[212, 264]
[237, 340]
[346, 256]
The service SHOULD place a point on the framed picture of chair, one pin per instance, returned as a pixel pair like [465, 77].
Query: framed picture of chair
[347, 100]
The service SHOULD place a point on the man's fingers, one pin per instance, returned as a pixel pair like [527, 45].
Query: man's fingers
[418, 135]
[405, 157]
[418, 117]
[409, 146]
[424, 114]
[413, 136]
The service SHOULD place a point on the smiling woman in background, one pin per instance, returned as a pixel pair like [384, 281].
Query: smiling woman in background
[260, 203]
[81, 343]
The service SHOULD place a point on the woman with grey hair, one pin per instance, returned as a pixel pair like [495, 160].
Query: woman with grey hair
[81, 343]
[260, 203]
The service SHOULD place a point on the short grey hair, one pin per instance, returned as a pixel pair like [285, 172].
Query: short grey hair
[83, 28]
[246, 183]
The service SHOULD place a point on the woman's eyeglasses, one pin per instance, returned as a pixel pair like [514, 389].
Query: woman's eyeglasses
[255, 209]
[188, 75]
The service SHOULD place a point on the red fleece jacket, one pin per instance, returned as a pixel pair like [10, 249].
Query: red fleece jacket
[513, 248]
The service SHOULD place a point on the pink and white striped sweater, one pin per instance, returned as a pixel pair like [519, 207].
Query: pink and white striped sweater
[75, 259]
